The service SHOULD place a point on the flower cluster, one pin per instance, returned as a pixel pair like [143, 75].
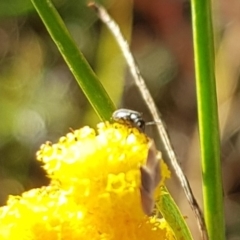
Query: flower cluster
[94, 191]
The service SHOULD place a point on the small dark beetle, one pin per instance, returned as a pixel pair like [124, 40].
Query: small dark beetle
[131, 117]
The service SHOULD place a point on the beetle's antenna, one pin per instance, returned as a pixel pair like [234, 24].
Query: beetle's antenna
[170, 154]
[152, 123]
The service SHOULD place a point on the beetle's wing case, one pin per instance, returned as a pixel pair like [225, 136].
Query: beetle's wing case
[130, 117]
[126, 114]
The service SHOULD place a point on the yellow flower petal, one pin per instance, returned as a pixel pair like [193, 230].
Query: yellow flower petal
[94, 192]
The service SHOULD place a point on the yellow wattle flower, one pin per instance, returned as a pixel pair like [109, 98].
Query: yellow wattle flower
[94, 191]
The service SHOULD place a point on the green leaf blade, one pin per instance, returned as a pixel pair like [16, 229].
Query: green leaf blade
[78, 65]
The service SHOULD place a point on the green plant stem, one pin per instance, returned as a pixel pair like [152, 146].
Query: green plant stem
[171, 213]
[78, 65]
[208, 118]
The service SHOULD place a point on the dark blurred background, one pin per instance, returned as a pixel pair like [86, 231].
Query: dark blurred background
[40, 100]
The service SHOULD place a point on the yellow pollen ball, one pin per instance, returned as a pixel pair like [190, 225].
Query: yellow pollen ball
[94, 191]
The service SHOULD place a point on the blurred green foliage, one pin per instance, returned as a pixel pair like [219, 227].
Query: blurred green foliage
[14, 7]
[39, 99]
